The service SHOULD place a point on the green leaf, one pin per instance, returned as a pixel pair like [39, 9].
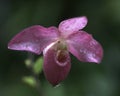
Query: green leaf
[29, 80]
[38, 66]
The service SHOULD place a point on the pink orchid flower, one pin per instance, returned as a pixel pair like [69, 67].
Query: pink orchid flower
[56, 43]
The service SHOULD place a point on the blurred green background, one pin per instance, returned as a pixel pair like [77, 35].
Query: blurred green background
[85, 79]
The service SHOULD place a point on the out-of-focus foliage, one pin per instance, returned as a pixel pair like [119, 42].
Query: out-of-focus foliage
[35, 66]
[38, 65]
[85, 79]
[29, 80]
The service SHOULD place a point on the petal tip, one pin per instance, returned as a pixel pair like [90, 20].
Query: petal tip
[10, 45]
[88, 49]
[84, 21]
[72, 25]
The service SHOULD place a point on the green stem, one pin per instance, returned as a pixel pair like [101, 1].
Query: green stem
[36, 76]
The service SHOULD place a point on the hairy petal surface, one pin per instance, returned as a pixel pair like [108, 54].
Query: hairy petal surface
[84, 47]
[56, 65]
[72, 25]
[33, 39]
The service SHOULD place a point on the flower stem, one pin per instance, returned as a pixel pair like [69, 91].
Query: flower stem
[35, 76]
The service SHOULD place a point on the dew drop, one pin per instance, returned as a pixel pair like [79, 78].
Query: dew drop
[92, 57]
[84, 51]
[93, 43]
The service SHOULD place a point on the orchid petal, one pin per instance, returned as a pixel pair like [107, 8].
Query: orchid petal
[33, 39]
[72, 25]
[56, 65]
[84, 47]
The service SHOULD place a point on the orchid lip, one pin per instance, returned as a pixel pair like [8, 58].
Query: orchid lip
[61, 57]
[56, 66]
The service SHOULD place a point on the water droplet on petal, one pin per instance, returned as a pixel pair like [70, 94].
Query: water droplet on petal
[93, 43]
[83, 51]
[92, 57]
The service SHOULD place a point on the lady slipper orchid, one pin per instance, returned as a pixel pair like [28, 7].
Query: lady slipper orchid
[56, 43]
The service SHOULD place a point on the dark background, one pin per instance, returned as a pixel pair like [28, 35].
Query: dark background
[85, 79]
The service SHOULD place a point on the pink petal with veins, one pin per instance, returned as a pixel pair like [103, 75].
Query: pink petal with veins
[84, 47]
[72, 25]
[33, 39]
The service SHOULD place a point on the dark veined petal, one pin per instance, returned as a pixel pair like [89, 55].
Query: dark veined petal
[84, 47]
[33, 39]
[56, 64]
[72, 25]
